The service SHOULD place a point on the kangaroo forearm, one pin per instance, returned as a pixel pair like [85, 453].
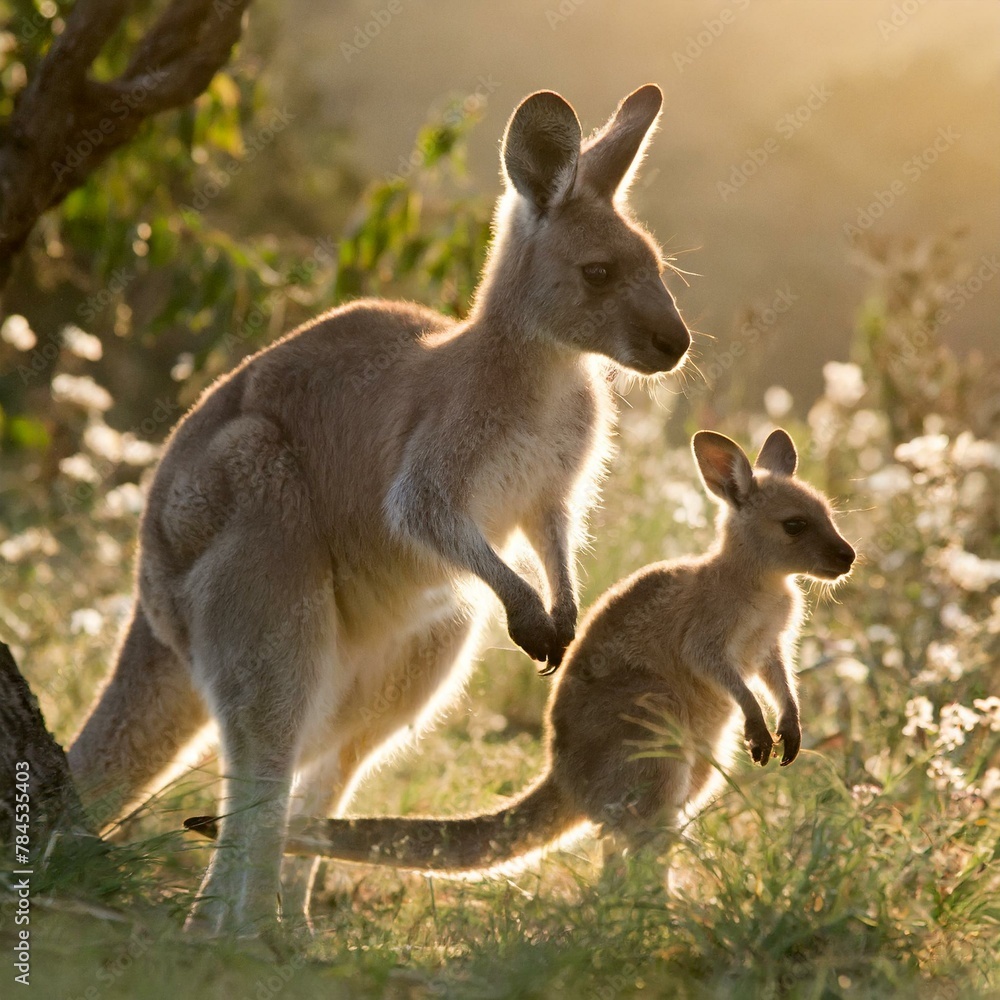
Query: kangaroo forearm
[779, 681]
[727, 676]
[550, 534]
[424, 517]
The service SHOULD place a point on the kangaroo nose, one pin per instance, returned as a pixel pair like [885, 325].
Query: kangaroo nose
[670, 332]
[845, 554]
[673, 338]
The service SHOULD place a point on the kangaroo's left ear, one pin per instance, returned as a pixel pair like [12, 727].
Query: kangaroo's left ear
[611, 158]
[541, 149]
[778, 454]
[724, 467]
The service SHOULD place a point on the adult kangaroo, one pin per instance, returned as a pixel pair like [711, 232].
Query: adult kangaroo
[313, 528]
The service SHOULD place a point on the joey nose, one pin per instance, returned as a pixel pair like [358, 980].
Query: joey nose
[844, 556]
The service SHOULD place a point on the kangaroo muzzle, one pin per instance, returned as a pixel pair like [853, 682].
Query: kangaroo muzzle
[659, 338]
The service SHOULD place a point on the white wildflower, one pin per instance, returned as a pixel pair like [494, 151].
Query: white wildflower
[970, 453]
[688, 503]
[974, 488]
[183, 367]
[89, 621]
[825, 426]
[870, 459]
[82, 391]
[881, 633]
[137, 452]
[993, 622]
[946, 776]
[920, 715]
[955, 721]
[865, 426]
[942, 660]
[123, 501]
[778, 402]
[968, 570]
[83, 345]
[107, 550]
[845, 383]
[104, 441]
[16, 332]
[890, 480]
[851, 669]
[954, 618]
[27, 543]
[79, 467]
[864, 794]
[990, 709]
[892, 658]
[927, 452]
[990, 782]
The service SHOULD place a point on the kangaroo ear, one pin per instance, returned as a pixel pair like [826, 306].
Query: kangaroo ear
[725, 469]
[778, 454]
[611, 158]
[541, 149]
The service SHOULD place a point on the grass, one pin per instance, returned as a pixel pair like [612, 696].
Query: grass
[868, 868]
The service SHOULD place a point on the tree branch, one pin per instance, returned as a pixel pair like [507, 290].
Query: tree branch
[66, 124]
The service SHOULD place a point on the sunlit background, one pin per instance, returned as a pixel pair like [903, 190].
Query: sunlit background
[850, 98]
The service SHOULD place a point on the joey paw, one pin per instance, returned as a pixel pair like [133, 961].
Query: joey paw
[759, 741]
[790, 735]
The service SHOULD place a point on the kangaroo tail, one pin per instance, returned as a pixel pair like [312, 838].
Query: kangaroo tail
[463, 844]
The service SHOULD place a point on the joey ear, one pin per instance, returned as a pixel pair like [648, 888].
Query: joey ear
[541, 149]
[724, 467]
[778, 454]
[611, 157]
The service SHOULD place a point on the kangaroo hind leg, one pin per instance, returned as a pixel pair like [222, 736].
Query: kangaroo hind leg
[417, 676]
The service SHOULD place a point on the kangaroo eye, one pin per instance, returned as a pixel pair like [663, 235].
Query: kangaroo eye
[794, 526]
[596, 275]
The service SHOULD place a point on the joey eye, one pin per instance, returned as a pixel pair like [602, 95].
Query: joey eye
[794, 525]
[596, 275]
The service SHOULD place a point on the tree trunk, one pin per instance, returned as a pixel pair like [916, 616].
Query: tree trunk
[37, 794]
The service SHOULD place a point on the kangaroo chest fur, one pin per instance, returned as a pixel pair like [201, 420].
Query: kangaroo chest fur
[764, 616]
[537, 449]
